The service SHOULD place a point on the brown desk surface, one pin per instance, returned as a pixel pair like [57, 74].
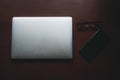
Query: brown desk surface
[104, 67]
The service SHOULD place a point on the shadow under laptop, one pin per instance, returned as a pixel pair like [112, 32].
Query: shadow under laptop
[41, 60]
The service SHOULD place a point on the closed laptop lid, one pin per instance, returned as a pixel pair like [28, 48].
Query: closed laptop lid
[41, 38]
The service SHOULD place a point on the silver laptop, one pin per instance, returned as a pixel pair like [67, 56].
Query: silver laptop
[41, 38]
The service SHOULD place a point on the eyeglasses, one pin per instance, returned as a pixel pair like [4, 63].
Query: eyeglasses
[83, 26]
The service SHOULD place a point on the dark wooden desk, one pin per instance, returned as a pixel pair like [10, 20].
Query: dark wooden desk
[104, 67]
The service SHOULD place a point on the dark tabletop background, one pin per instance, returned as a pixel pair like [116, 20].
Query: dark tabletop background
[104, 67]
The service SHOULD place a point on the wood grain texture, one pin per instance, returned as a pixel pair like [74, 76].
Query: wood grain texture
[104, 67]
